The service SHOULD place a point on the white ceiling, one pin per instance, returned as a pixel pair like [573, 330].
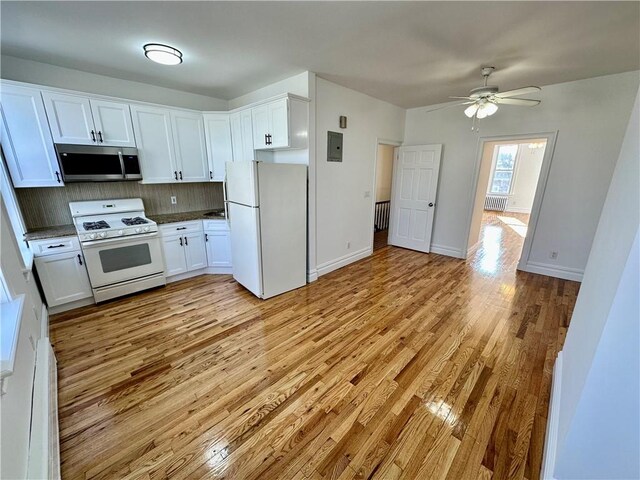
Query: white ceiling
[408, 53]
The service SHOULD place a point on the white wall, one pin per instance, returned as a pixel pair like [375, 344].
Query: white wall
[590, 117]
[15, 404]
[384, 172]
[344, 213]
[598, 420]
[21, 70]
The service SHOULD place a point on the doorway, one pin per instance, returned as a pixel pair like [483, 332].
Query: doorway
[507, 199]
[382, 210]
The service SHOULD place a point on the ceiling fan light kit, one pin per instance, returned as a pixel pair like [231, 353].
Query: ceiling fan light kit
[483, 101]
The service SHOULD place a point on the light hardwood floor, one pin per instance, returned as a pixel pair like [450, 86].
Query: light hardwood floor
[403, 365]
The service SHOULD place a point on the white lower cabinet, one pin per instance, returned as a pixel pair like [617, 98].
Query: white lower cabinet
[175, 260]
[184, 247]
[63, 277]
[218, 242]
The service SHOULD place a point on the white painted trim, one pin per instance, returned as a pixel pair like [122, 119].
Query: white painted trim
[551, 440]
[200, 271]
[83, 302]
[558, 271]
[448, 251]
[471, 249]
[540, 188]
[343, 261]
[517, 209]
[312, 275]
[44, 321]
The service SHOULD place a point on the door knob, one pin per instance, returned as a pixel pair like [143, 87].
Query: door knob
[431, 204]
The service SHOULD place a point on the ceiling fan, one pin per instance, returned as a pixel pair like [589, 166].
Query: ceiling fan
[483, 101]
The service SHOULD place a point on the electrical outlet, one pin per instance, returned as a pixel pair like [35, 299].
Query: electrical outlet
[553, 255]
[348, 245]
[174, 200]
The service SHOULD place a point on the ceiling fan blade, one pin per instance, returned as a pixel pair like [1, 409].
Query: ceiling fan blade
[522, 102]
[448, 106]
[463, 98]
[517, 91]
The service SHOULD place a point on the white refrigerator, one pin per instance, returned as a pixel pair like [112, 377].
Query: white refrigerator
[267, 208]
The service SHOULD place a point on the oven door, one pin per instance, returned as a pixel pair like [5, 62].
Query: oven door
[116, 260]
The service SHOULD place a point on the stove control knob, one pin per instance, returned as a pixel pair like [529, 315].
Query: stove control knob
[120, 232]
[102, 234]
[92, 236]
[137, 230]
[146, 229]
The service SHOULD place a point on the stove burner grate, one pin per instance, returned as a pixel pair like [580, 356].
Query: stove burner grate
[134, 221]
[99, 225]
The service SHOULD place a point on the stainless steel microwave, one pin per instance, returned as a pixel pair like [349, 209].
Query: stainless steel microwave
[86, 163]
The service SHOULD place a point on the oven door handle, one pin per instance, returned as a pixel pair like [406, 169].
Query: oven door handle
[128, 239]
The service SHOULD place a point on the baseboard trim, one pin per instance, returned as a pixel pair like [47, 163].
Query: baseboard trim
[200, 271]
[551, 439]
[448, 251]
[312, 275]
[566, 273]
[518, 210]
[343, 261]
[70, 306]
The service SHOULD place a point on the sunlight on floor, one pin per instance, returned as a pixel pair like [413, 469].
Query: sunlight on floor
[516, 225]
[491, 238]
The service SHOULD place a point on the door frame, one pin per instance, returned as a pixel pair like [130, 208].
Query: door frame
[372, 213]
[541, 186]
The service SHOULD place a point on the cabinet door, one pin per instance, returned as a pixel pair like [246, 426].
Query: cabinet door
[113, 123]
[70, 119]
[248, 150]
[218, 134]
[152, 127]
[26, 139]
[175, 259]
[191, 151]
[278, 113]
[260, 117]
[64, 277]
[218, 248]
[235, 121]
[195, 249]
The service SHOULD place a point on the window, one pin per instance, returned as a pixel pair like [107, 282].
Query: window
[505, 163]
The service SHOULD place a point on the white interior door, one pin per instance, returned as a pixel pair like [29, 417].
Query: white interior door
[413, 196]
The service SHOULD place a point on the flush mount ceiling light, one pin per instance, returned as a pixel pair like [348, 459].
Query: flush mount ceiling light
[163, 54]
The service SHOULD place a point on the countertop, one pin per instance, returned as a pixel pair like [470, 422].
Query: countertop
[186, 216]
[50, 232]
[70, 230]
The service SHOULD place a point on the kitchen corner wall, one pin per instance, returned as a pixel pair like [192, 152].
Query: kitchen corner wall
[44, 207]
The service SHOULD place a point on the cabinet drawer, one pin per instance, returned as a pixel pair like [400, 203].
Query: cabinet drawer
[180, 228]
[52, 246]
[215, 225]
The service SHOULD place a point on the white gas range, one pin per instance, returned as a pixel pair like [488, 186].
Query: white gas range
[120, 245]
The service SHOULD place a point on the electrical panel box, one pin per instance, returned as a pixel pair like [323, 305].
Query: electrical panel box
[334, 147]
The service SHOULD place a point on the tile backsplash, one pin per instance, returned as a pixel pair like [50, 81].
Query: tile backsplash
[45, 207]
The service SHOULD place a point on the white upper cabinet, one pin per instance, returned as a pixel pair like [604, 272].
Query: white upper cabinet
[26, 139]
[83, 121]
[70, 118]
[154, 138]
[242, 136]
[113, 123]
[217, 130]
[282, 123]
[191, 151]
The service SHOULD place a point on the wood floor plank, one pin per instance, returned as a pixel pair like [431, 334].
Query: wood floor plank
[403, 365]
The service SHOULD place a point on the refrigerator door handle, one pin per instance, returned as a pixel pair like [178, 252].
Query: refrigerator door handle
[224, 195]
